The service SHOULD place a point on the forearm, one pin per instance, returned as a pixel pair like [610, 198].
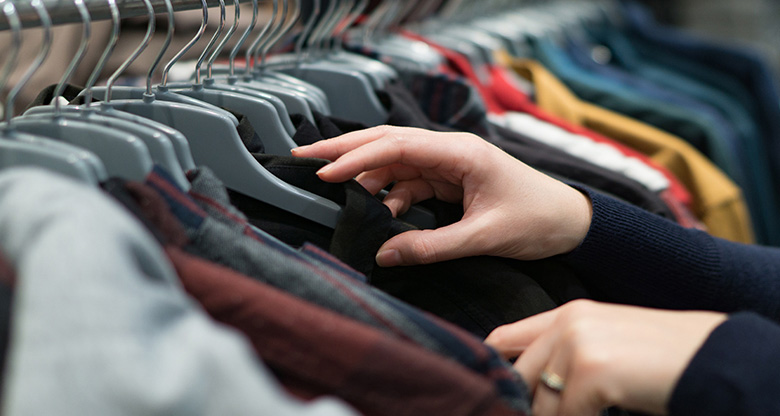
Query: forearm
[631, 256]
[734, 373]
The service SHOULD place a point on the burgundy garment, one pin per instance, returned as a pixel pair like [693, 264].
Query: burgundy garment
[7, 274]
[156, 212]
[317, 352]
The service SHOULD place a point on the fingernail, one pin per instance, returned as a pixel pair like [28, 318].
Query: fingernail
[324, 169]
[300, 149]
[388, 258]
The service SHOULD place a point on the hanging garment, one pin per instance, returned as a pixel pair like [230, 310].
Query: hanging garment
[739, 72]
[750, 147]
[470, 117]
[123, 328]
[717, 200]
[316, 352]
[722, 146]
[309, 274]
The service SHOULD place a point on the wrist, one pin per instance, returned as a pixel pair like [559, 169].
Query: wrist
[576, 218]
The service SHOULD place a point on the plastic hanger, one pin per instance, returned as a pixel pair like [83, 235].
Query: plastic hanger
[259, 71]
[178, 140]
[215, 143]
[190, 116]
[379, 73]
[130, 99]
[266, 112]
[297, 100]
[293, 100]
[20, 149]
[158, 142]
[404, 51]
[349, 91]
[122, 154]
[258, 77]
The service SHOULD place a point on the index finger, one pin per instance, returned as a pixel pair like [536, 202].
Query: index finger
[332, 149]
[409, 147]
[513, 339]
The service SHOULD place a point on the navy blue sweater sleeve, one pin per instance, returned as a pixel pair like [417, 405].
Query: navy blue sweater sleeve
[631, 256]
[734, 373]
[634, 257]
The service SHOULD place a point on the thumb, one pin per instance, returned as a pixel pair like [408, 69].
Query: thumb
[430, 246]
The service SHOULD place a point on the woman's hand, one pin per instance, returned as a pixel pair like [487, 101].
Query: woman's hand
[511, 210]
[605, 355]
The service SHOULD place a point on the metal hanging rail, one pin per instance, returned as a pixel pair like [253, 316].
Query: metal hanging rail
[64, 11]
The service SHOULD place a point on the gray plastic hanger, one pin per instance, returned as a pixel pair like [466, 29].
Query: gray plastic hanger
[350, 92]
[298, 96]
[257, 54]
[377, 72]
[159, 144]
[215, 143]
[178, 140]
[123, 155]
[296, 100]
[384, 12]
[405, 52]
[266, 112]
[20, 149]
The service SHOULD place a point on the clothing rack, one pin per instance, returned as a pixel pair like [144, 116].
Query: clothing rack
[65, 11]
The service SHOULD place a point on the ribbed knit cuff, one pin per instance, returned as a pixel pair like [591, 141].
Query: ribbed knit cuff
[632, 256]
[734, 373]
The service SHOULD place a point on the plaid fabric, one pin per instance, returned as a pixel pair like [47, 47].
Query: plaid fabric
[317, 277]
[449, 100]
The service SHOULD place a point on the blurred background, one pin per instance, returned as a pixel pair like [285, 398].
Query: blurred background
[752, 23]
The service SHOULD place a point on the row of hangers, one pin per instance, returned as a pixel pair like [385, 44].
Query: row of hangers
[180, 124]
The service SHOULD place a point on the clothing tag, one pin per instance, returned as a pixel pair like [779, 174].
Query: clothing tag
[61, 101]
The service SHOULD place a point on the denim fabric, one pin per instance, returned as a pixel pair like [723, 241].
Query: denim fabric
[101, 324]
[311, 275]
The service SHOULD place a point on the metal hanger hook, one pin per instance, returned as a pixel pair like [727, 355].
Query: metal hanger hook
[12, 15]
[80, 54]
[212, 41]
[147, 39]
[45, 19]
[203, 23]
[112, 41]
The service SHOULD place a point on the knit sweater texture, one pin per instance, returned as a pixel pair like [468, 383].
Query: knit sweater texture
[633, 257]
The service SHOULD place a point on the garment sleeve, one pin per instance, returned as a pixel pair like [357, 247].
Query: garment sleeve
[734, 373]
[634, 257]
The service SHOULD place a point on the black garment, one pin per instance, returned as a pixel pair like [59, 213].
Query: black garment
[478, 294]
[70, 92]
